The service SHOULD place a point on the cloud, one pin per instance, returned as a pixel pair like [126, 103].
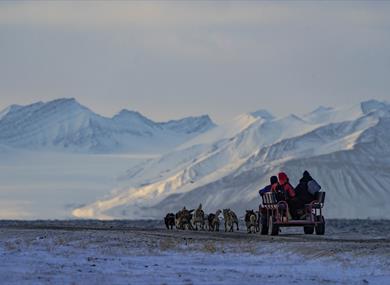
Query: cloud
[196, 29]
[216, 30]
[81, 14]
[149, 14]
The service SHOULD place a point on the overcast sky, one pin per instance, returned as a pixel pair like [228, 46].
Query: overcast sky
[173, 59]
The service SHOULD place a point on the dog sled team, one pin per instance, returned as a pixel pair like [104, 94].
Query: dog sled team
[196, 219]
[296, 198]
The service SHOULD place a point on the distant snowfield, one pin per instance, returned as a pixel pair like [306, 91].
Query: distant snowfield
[41, 185]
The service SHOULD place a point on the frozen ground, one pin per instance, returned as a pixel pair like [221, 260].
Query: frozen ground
[137, 252]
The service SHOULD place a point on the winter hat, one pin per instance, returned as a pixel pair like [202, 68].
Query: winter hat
[273, 180]
[306, 174]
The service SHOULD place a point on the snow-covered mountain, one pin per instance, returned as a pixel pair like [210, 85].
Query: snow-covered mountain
[346, 149]
[65, 125]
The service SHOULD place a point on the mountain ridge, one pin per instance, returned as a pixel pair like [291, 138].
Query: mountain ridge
[341, 152]
[66, 125]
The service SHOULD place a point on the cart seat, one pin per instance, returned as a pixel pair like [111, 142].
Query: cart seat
[319, 200]
[269, 200]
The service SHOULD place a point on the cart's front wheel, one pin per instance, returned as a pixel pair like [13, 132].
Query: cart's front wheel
[263, 224]
[273, 228]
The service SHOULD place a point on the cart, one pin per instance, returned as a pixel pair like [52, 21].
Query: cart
[274, 214]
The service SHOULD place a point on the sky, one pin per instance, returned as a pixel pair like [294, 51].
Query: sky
[174, 59]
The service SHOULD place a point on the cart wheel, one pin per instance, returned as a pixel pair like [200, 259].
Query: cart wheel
[309, 230]
[320, 228]
[263, 225]
[273, 229]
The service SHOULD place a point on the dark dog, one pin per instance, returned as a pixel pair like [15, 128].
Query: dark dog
[213, 221]
[169, 220]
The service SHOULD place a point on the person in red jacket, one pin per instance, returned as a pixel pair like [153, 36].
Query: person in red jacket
[287, 187]
[290, 195]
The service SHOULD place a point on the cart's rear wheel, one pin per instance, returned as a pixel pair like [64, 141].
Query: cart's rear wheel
[309, 230]
[273, 229]
[320, 227]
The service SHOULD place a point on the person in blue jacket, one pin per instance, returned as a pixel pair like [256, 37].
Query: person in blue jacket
[268, 188]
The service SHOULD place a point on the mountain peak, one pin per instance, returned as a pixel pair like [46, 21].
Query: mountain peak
[321, 109]
[293, 117]
[64, 101]
[133, 117]
[262, 113]
[9, 110]
[190, 124]
[128, 113]
[71, 99]
[372, 105]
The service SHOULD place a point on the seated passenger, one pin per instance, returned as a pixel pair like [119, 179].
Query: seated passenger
[273, 180]
[290, 196]
[306, 189]
[266, 189]
[287, 187]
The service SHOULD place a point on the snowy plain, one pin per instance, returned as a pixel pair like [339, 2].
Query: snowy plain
[129, 252]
